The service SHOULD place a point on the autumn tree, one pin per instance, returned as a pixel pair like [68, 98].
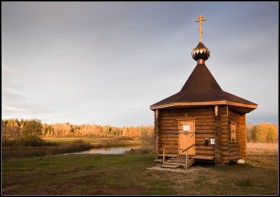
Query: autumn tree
[265, 132]
[32, 128]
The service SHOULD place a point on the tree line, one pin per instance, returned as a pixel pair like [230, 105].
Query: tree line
[13, 128]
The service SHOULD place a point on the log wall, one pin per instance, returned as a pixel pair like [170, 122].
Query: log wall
[237, 150]
[168, 129]
[207, 125]
[222, 150]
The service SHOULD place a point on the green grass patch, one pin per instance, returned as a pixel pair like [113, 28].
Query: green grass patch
[127, 174]
[159, 187]
[244, 183]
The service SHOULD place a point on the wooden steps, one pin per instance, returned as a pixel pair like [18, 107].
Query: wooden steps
[170, 165]
[190, 163]
[179, 161]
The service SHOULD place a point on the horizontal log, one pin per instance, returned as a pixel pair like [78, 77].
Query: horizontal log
[168, 139]
[205, 122]
[236, 148]
[169, 151]
[168, 143]
[223, 140]
[199, 147]
[225, 153]
[168, 155]
[205, 152]
[199, 131]
[225, 135]
[169, 127]
[173, 121]
[231, 154]
[225, 160]
[173, 135]
[231, 145]
[204, 127]
[235, 157]
[169, 146]
[168, 132]
[224, 148]
[208, 135]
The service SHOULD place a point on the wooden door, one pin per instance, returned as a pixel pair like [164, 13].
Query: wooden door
[186, 137]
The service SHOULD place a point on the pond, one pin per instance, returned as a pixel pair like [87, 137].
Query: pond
[108, 150]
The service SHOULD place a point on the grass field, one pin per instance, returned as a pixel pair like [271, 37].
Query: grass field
[127, 174]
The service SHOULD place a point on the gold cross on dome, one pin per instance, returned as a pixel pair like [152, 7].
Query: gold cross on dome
[200, 19]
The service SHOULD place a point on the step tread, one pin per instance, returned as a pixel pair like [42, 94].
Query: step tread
[170, 166]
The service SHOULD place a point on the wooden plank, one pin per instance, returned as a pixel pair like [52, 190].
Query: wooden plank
[205, 152]
[203, 157]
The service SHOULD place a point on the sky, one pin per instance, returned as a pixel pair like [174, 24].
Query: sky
[106, 63]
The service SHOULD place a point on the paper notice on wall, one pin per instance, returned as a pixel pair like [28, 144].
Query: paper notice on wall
[186, 127]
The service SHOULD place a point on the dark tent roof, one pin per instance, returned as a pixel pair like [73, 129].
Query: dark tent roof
[201, 88]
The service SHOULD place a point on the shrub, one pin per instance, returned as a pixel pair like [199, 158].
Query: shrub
[32, 141]
[24, 141]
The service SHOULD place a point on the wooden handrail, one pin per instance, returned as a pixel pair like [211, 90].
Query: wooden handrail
[188, 148]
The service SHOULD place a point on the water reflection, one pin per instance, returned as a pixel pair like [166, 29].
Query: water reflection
[110, 150]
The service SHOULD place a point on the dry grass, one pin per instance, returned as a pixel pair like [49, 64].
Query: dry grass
[258, 176]
[262, 149]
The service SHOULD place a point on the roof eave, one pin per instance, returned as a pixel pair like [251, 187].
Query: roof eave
[247, 107]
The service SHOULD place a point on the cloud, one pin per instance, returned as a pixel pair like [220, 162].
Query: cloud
[109, 61]
[17, 105]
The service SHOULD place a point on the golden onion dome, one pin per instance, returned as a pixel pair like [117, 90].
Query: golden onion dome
[200, 52]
